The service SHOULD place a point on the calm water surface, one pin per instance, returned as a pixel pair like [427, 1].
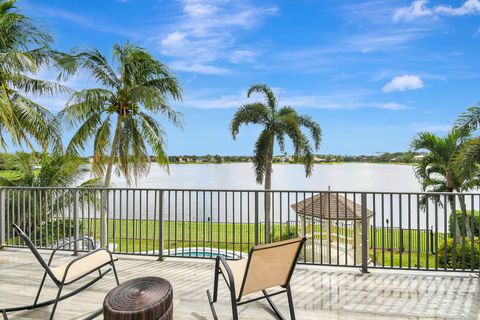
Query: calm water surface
[342, 177]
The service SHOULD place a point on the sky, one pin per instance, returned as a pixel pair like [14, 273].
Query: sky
[372, 73]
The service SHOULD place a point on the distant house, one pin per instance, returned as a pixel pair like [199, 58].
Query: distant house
[418, 157]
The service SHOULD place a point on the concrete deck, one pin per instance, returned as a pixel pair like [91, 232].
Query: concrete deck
[318, 292]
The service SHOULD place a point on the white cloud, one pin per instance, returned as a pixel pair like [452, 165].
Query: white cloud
[196, 8]
[198, 68]
[238, 56]
[419, 9]
[468, 7]
[173, 39]
[404, 83]
[206, 33]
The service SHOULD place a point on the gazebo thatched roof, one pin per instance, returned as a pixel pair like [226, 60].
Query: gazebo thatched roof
[330, 206]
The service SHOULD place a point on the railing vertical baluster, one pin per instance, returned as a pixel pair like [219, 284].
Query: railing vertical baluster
[34, 215]
[338, 230]
[76, 221]
[472, 234]
[248, 219]
[364, 233]
[305, 229]
[400, 213]
[183, 223]
[409, 231]
[256, 218]
[383, 229]
[445, 234]
[453, 214]
[427, 226]
[436, 233]
[121, 218]
[3, 219]
[114, 222]
[176, 222]
[419, 243]
[241, 224]
[161, 232]
[147, 223]
[169, 222]
[140, 214]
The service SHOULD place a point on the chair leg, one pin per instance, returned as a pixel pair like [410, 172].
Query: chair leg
[115, 273]
[56, 301]
[215, 281]
[40, 288]
[290, 303]
[272, 305]
[234, 306]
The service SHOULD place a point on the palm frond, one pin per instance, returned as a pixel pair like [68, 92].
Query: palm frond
[262, 88]
[253, 113]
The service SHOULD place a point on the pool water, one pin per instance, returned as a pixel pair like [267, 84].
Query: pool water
[198, 252]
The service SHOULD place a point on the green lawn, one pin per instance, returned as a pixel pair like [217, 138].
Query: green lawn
[142, 236]
[135, 236]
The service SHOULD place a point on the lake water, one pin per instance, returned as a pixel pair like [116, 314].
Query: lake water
[342, 177]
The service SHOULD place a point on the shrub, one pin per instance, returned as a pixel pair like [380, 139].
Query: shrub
[447, 260]
[64, 228]
[287, 233]
[475, 228]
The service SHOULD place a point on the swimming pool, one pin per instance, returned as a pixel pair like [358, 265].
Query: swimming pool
[198, 252]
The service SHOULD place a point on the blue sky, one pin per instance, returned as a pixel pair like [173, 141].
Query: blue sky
[372, 73]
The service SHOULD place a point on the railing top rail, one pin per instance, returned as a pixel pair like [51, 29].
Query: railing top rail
[245, 190]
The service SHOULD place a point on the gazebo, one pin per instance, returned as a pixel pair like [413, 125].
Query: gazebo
[330, 209]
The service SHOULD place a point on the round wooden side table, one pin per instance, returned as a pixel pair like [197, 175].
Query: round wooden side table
[140, 299]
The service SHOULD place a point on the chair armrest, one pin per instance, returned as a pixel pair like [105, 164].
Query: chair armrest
[67, 244]
[231, 282]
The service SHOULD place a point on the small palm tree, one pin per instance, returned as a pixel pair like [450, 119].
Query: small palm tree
[437, 171]
[55, 171]
[24, 49]
[118, 116]
[278, 123]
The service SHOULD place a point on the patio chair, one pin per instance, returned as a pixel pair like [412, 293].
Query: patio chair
[67, 273]
[268, 266]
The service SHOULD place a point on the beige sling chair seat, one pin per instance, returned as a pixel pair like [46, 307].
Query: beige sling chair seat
[268, 266]
[65, 274]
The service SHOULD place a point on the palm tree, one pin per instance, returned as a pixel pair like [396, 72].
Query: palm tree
[278, 123]
[57, 171]
[24, 49]
[126, 101]
[437, 171]
[469, 156]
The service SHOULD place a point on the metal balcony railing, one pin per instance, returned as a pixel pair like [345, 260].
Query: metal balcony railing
[398, 230]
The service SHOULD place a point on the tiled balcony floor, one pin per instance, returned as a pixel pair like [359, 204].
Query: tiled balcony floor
[318, 292]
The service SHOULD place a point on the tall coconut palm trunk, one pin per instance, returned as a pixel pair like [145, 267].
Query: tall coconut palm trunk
[108, 179]
[268, 195]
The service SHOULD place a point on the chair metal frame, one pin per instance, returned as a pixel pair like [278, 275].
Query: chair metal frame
[237, 301]
[60, 283]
